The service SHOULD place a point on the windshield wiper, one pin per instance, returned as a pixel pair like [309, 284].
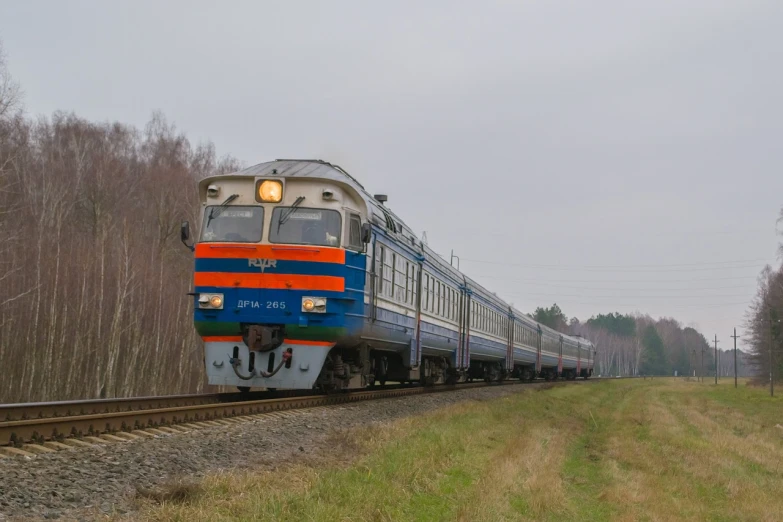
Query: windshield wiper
[287, 214]
[220, 209]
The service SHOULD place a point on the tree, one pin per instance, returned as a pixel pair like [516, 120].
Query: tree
[764, 327]
[617, 323]
[654, 360]
[10, 94]
[553, 317]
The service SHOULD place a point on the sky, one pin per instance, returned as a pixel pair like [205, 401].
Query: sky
[606, 155]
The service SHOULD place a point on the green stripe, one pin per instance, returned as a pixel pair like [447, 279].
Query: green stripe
[206, 328]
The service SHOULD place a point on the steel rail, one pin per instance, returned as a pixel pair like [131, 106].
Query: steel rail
[158, 411]
[39, 410]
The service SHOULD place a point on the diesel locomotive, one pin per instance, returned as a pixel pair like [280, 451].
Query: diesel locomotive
[303, 280]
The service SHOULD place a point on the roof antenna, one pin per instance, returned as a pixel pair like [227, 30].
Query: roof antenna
[453, 257]
[424, 237]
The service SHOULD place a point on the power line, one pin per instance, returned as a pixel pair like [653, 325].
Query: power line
[636, 296]
[615, 281]
[637, 304]
[628, 289]
[562, 268]
[659, 265]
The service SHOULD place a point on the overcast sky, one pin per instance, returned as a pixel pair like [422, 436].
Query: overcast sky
[607, 155]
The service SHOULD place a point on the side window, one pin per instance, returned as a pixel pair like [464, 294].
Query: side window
[379, 269]
[426, 290]
[408, 278]
[443, 299]
[388, 273]
[433, 300]
[415, 275]
[355, 233]
[393, 293]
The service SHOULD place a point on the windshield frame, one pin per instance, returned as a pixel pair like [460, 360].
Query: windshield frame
[273, 234]
[228, 208]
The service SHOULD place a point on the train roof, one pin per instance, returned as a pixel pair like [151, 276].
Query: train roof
[378, 212]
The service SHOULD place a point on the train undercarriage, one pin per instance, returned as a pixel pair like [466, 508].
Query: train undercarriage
[351, 368]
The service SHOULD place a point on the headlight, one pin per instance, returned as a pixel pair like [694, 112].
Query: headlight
[314, 304]
[270, 191]
[207, 301]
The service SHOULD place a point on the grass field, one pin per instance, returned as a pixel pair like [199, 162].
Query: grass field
[661, 449]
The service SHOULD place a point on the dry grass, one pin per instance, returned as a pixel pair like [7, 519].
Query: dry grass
[615, 450]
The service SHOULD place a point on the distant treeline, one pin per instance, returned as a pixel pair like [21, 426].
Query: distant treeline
[641, 345]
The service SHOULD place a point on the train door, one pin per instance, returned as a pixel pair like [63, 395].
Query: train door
[510, 342]
[538, 350]
[560, 358]
[463, 357]
[416, 341]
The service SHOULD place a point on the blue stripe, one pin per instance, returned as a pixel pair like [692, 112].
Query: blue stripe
[249, 305]
[281, 267]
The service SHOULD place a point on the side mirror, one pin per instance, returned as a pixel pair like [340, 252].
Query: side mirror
[366, 233]
[184, 235]
[184, 231]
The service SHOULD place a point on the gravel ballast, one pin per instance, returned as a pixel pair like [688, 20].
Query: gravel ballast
[84, 483]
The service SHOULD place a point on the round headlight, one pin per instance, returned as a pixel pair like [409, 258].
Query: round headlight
[308, 305]
[216, 301]
[270, 191]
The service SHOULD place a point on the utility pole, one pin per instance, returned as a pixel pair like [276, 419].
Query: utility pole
[735, 356]
[716, 358]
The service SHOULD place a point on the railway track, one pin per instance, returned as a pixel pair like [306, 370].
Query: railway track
[49, 423]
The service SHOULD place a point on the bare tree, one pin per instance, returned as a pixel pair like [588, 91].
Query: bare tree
[10, 93]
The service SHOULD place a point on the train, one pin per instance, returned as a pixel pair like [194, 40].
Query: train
[303, 280]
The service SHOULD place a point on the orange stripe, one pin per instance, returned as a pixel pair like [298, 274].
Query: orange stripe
[308, 343]
[281, 252]
[275, 281]
[238, 339]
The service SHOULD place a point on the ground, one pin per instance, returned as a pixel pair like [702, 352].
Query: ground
[660, 449]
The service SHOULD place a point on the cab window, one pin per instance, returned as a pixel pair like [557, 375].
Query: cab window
[233, 224]
[355, 232]
[305, 226]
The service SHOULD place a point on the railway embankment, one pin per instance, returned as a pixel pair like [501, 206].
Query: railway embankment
[102, 477]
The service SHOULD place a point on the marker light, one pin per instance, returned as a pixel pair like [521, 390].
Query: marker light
[270, 191]
[314, 304]
[207, 301]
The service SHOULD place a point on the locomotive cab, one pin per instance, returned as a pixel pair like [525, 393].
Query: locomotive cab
[279, 274]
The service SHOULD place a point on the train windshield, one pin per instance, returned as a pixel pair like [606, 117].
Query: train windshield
[305, 226]
[236, 224]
